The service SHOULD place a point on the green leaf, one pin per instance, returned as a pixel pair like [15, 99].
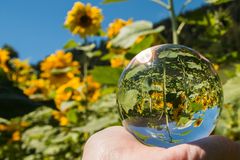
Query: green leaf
[128, 99]
[98, 124]
[42, 114]
[194, 65]
[218, 2]
[134, 71]
[168, 54]
[130, 33]
[69, 104]
[94, 54]
[197, 17]
[107, 56]
[183, 120]
[112, 1]
[106, 75]
[141, 136]
[86, 48]
[108, 90]
[196, 107]
[5, 121]
[105, 103]
[232, 90]
[185, 132]
[145, 43]
[70, 44]
[72, 116]
[61, 71]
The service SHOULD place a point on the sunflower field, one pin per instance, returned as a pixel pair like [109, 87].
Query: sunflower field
[49, 110]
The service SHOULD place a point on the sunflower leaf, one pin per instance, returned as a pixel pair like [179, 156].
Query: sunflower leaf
[217, 2]
[106, 75]
[112, 1]
[232, 90]
[128, 34]
[70, 44]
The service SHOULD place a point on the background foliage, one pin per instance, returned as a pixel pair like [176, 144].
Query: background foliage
[50, 109]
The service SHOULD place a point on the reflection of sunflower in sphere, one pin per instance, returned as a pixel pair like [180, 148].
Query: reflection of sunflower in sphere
[84, 19]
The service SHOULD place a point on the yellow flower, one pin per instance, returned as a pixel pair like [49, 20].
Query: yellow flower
[63, 121]
[118, 62]
[24, 124]
[37, 86]
[72, 90]
[16, 136]
[157, 100]
[198, 122]
[216, 67]
[3, 127]
[93, 89]
[115, 27]
[84, 19]
[176, 113]
[169, 105]
[22, 71]
[59, 116]
[59, 68]
[4, 57]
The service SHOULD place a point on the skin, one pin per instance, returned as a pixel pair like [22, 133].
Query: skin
[115, 143]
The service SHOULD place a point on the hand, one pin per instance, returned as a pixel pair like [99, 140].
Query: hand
[115, 143]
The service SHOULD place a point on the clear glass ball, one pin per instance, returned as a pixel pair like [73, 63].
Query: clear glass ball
[168, 95]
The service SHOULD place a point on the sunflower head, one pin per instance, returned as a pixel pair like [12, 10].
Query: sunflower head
[4, 57]
[115, 27]
[21, 70]
[83, 19]
[119, 61]
[59, 68]
[73, 90]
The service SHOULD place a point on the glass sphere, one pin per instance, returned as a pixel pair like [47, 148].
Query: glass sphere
[168, 95]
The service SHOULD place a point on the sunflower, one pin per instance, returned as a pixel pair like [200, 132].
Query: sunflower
[22, 70]
[37, 89]
[115, 27]
[74, 90]
[93, 89]
[61, 117]
[84, 19]
[4, 57]
[59, 68]
[117, 62]
[16, 136]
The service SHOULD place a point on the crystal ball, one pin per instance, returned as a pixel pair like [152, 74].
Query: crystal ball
[169, 95]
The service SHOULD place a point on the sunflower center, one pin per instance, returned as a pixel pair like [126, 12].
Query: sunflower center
[85, 21]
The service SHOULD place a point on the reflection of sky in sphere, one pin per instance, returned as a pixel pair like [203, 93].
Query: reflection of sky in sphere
[207, 126]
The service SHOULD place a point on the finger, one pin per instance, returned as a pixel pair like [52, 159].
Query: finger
[210, 148]
[115, 143]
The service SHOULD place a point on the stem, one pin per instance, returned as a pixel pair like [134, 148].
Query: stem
[85, 69]
[173, 21]
[164, 5]
[184, 6]
[180, 27]
[164, 100]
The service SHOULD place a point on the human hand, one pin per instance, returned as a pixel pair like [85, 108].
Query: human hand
[115, 143]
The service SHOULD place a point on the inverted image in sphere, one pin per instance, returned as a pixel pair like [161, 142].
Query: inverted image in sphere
[168, 95]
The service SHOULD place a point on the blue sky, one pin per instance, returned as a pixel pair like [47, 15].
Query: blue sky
[35, 27]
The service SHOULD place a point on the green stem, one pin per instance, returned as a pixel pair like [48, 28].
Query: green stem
[163, 4]
[85, 69]
[165, 101]
[173, 21]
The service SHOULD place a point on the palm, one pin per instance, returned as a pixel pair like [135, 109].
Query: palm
[116, 143]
